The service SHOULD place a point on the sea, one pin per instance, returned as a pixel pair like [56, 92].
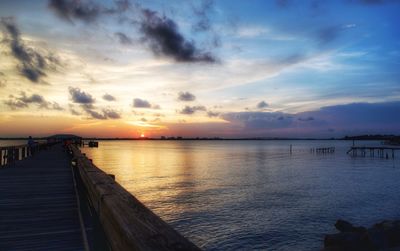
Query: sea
[255, 194]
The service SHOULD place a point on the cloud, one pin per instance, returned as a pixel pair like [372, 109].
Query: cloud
[123, 38]
[353, 118]
[111, 114]
[160, 33]
[74, 112]
[80, 97]
[188, 110]
[70, 9]
[328, 34]
[262, 105]
[202, 12]
[85, 10]
[142, 103]
[108, 97]
[164, 39]
[23, 101]
[186, 96]
[103, 115]
[212, 114]
[306, 119]
[32, 64]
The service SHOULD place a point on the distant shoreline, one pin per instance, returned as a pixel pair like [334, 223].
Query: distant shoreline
[178, 138]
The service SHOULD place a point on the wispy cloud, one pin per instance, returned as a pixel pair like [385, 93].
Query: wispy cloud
[32, 63]
[189, 110]
[24, 101]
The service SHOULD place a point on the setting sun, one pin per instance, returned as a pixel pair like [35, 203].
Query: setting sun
[142, 135]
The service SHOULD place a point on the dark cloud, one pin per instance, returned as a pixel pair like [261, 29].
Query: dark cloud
[92, 113]
[351, 118]
[262, 105]
[32, 64]
[71, 9]
[188, 110]
[108, 97]
[328, 34]
[186, 96]
[15, 104]
[103, 115]
[111, 114]
[23, 101]
[164, 39]
[160, 33]
[306, 119]
[258, 120]
[123, 38]
[212, 114]
[80, 97]
[85, 10]
[141, 103]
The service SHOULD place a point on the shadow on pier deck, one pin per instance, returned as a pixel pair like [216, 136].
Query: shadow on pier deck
[59, 200]
[38, 206]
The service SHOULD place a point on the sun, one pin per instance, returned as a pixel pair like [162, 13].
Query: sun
[142, 135]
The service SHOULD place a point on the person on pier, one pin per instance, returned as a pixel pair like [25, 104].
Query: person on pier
[31, 144]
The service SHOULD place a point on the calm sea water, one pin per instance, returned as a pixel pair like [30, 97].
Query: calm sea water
[254, 195]
[13, 142]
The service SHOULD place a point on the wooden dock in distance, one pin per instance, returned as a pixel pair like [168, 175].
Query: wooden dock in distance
[323, 150]
[378, 151]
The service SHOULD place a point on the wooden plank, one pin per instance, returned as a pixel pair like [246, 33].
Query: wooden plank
[38, 209]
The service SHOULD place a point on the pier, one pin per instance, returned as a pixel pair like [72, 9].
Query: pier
[373, 151]
[44, 197]
[38, 205]
[323, 150]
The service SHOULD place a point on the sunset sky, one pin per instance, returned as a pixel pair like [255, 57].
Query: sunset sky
[257, 68]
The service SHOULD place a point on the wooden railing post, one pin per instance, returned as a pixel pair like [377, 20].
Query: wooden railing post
[127, 223]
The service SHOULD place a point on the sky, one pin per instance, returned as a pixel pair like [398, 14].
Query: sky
[207, 68]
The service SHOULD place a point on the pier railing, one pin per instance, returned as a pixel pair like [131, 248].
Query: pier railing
[10, 154]
[126, 222]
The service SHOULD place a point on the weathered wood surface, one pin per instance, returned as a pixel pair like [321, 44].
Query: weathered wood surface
[38, 207]
[128, 224]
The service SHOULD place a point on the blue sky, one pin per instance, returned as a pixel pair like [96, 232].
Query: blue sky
[297, 57]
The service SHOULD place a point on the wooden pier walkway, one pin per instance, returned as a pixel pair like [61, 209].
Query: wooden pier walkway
[38, 204]
[58, 199]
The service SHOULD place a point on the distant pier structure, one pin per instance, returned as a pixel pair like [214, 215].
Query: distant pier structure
[323, 150]
[373, 151]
